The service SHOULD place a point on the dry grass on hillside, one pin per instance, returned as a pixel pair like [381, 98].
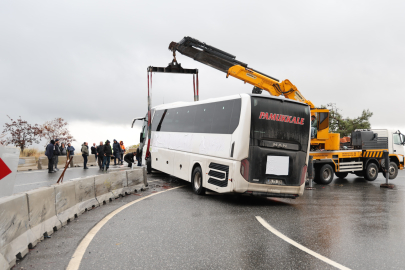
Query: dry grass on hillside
[33, 152]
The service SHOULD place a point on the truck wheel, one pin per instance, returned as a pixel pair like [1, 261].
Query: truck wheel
[341, 175]
[324, 175]
[196, 181]
[371, 172]
[393, 170]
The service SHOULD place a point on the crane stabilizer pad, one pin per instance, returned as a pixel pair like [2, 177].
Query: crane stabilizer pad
[173, 69]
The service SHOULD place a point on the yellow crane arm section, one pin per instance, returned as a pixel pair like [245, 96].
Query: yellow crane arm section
[285, 88]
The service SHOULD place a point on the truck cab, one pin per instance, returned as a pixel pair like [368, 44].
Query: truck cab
[396, 141]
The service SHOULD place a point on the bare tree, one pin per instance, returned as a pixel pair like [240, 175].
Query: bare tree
[56, 129]
[3, 139]
[21, 133]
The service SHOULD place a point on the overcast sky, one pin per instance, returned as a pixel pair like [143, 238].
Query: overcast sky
[85, 61]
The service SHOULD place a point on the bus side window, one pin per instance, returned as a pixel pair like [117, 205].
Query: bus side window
[234, 121]
[221, 116]
[167, 123]
[156, 119]
[186, 119]
[203, 118]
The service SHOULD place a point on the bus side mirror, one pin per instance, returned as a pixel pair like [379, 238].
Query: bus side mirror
[141, 138]
[402, 137]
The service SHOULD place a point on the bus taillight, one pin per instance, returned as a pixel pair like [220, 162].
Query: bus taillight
[303, 174]
[244, 169]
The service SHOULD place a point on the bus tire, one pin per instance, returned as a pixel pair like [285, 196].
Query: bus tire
[341, 175]
[149, 165]
[196, 181]
[393, 170]
[324, 175]
[371, 172]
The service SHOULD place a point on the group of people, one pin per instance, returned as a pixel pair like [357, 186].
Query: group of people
[102, 153]
[105, 151]
[53, 151]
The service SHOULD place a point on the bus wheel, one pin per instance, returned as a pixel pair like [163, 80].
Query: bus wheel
[196, 181]
[341, 175]
[393, 170]
[149, 165]
[325, 175]
[371, 172]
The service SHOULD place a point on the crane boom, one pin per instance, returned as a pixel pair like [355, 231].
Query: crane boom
[227, 63]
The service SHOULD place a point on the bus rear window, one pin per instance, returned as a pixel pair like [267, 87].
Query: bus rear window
[280, 120]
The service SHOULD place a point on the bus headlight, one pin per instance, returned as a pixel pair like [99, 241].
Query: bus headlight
[244, 169]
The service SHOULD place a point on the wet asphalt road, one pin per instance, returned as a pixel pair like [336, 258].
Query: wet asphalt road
[352, 222]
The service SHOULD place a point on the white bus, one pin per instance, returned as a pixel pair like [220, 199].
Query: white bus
[242, 143]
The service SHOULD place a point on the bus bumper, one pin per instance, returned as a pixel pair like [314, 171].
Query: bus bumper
[271, 190]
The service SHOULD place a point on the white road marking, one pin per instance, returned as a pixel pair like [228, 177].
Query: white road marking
[33, 183]
[292, 242]
[77, 257]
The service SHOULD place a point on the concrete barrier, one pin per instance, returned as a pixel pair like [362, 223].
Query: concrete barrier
[118, 183]
[65, 202]
[26, 217]
[43, 163]
[3, 263]
[135, 180]
[27, 164]
[85, 194]
[15, 233]
[42, 212]
[103, 186]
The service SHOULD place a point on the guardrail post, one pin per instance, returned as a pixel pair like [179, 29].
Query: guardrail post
[386, 170]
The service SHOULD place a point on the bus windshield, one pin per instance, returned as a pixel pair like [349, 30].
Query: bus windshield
[280, 121]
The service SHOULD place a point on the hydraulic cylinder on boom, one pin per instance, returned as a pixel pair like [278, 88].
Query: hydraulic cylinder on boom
[228, 64]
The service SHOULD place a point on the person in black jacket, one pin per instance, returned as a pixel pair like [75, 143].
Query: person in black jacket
[94, 150]
[100, 154]
[117, 152]
[49, 154]
[56, 153]
[129, 158]
[107, 155]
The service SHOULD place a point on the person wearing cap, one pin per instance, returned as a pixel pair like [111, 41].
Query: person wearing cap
[56, 153]
[49, 154]
[85, 153]
[117, 152]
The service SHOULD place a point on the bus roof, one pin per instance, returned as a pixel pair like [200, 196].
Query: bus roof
[183, 103]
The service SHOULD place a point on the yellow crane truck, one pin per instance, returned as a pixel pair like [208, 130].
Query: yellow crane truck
[363, 157]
